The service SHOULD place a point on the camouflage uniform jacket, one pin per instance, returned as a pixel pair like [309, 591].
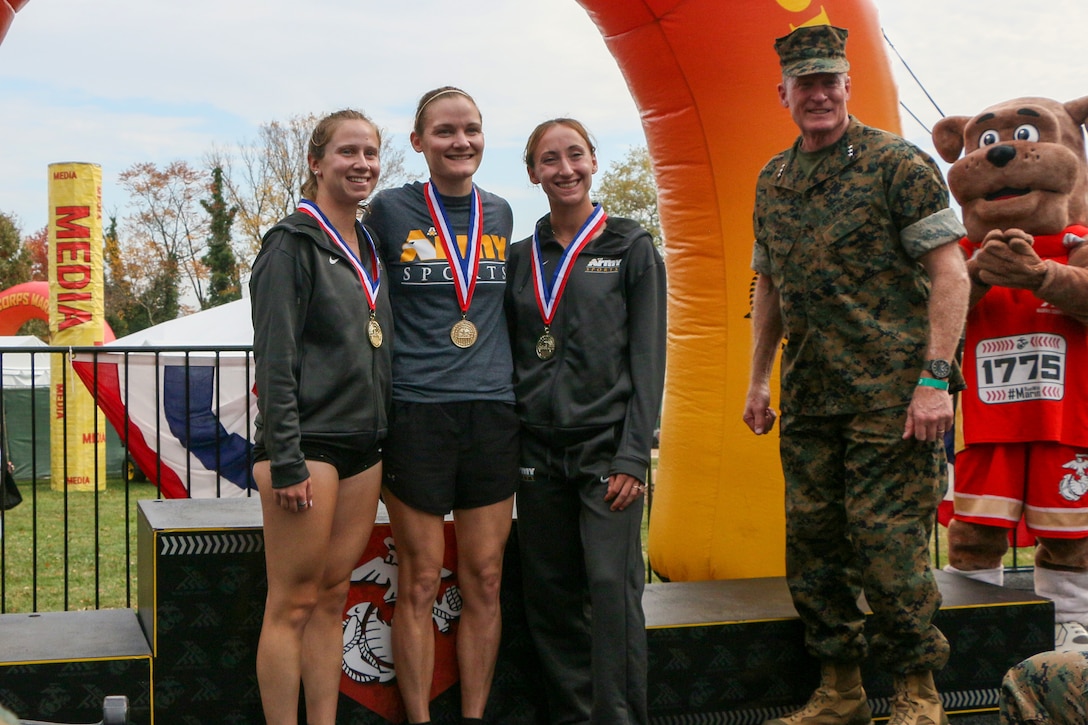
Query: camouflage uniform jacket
[1050, 688]
[841, 247]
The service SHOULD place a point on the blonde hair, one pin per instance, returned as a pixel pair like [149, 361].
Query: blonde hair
[320, 137]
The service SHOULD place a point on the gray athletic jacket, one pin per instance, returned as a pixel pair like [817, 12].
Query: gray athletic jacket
[317, 373]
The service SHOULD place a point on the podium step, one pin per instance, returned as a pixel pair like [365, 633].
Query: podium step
[719, 651]
[60, 666]
[733, 650]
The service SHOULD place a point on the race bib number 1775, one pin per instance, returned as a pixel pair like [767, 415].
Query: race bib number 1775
[1021, 367]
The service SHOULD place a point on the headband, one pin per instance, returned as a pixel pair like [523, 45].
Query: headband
[446, 92]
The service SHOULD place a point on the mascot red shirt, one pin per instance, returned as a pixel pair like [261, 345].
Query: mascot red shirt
[1018, 354]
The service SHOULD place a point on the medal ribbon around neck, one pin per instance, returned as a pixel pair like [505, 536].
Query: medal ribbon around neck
[370, 288]
[464, 267]
[547, 297]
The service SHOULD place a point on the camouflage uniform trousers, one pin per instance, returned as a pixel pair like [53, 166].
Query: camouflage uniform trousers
[1051, 687]
[860, 508]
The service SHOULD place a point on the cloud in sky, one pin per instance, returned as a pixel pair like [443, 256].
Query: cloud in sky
[118, 82]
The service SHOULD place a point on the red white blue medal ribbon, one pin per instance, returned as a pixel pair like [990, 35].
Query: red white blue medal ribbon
[370, 287]
[548, 296]
[463, 266]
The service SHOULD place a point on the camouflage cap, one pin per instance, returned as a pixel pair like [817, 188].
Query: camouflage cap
[813, 49]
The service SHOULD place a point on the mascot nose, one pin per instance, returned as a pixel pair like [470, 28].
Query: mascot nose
[1000, 155]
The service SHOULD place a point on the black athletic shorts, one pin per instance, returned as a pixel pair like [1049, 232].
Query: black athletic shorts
[349, 455]
[439, 457]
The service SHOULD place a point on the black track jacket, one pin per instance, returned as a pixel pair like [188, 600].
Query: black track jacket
[609, 364]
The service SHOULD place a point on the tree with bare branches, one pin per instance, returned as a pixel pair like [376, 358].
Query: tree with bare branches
[628, 189]
[138, 293]
[263, 178]
[166, 232]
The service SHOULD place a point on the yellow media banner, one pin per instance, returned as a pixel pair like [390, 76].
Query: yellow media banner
[76, 318]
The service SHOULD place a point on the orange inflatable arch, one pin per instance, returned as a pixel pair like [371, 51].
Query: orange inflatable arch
[703, 75]
[7, 14]
[21, 303]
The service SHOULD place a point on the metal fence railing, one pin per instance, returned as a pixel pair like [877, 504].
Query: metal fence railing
[158, 422]
[175, 422]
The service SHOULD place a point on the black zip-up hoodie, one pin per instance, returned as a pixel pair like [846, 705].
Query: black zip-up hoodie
[317, 372]
[609, 364]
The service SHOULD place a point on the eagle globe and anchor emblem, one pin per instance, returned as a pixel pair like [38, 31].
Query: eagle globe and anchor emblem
[368, 668]
[1074, 485]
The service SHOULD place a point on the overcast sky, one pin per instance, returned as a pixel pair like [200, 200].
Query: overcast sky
[118, 82]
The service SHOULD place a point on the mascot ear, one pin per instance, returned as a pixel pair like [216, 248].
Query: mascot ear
[948, 136]
[1078, 110]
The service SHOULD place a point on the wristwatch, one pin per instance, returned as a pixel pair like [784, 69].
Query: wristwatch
[939, 369]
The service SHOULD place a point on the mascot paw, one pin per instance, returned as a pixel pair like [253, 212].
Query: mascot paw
[1010, 263]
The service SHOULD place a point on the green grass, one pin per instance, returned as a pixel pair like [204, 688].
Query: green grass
[86, 529]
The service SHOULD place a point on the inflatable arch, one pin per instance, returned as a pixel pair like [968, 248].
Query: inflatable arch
[703, 75]
[30, 301]
[21, 303]
[7, 14]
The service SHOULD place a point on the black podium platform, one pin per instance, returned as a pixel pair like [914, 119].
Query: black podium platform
[732, 651]
[201, 590]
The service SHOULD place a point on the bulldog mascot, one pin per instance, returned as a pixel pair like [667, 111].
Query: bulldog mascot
[1022, 182]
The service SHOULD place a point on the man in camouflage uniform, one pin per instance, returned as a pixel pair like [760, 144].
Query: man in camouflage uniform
[1050, 688]
[859, 269]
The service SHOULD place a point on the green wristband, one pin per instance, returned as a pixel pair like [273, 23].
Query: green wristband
[933, 383]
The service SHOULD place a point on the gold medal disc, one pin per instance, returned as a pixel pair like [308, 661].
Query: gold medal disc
[545, 346]
[374, 332]
[464, 334]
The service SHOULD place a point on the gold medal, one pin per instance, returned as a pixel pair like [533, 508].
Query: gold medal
[464, 333]
[463, 267]
[374, 332]
[545, 346]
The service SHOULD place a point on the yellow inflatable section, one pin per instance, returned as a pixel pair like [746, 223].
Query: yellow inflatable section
[703, 74]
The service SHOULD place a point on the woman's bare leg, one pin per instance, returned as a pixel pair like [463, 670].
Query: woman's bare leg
[323, 638]
[295, 544]
[481, 542]
[420, 545]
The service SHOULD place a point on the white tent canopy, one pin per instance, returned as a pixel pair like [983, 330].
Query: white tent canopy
[228, 324]
[23, 370]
